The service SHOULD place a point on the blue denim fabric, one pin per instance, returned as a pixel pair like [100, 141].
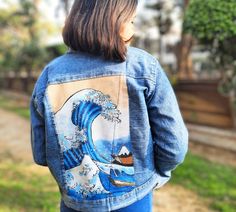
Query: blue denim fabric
[144, 205]
[109, 132]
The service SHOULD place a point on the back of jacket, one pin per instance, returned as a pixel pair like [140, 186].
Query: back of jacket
[109, 132]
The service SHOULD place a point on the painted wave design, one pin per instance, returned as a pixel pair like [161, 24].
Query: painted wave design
[72, 158]
[83, 118]
[118, 177]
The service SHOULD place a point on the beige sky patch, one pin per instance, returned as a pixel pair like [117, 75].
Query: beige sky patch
[115, 86]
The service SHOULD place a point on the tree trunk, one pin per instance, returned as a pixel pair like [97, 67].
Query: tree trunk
[183, 54]
[184, 60]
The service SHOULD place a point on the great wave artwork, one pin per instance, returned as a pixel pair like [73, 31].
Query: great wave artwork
[97, 156]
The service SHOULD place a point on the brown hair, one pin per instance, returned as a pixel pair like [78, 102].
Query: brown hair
[93, 26]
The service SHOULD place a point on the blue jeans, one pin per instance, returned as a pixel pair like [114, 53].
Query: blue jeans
[144, 205]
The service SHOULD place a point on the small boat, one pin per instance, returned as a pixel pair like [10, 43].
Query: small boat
[117, 181]
[124, 157]
[120, 179]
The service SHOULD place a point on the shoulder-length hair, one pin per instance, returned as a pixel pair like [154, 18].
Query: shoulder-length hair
[93, 26]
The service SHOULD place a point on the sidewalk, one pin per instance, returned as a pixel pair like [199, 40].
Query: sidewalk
[212, 136]
[14, 137]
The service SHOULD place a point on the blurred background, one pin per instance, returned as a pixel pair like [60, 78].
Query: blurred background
[195, 42]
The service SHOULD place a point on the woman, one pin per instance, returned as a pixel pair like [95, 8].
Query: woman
[104, 117]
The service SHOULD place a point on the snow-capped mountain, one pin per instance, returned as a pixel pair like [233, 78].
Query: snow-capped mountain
[124, 151]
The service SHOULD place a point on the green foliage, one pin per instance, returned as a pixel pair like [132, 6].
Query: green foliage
[214, 181]
[211, 19]
[213, 23]
[8, 39]
[57, 50]
[20, 42]
[31, 56]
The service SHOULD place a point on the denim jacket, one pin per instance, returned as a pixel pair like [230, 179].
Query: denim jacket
[109, 132]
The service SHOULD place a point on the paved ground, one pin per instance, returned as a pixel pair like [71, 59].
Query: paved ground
[14, 137]
[15, 143]
[173, 198]
[224, 139]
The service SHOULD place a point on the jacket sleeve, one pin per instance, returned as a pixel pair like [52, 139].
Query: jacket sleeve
[37, 126]
[169, 133]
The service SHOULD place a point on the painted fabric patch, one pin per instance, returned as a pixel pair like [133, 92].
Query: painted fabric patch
[92, 122]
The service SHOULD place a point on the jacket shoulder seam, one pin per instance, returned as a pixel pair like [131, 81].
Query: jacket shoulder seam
[149, 78]
[156, 72]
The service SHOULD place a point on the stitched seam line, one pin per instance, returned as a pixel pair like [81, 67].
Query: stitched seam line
[97, 76]
[52, 117]
[155, 88]
[35, 100]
